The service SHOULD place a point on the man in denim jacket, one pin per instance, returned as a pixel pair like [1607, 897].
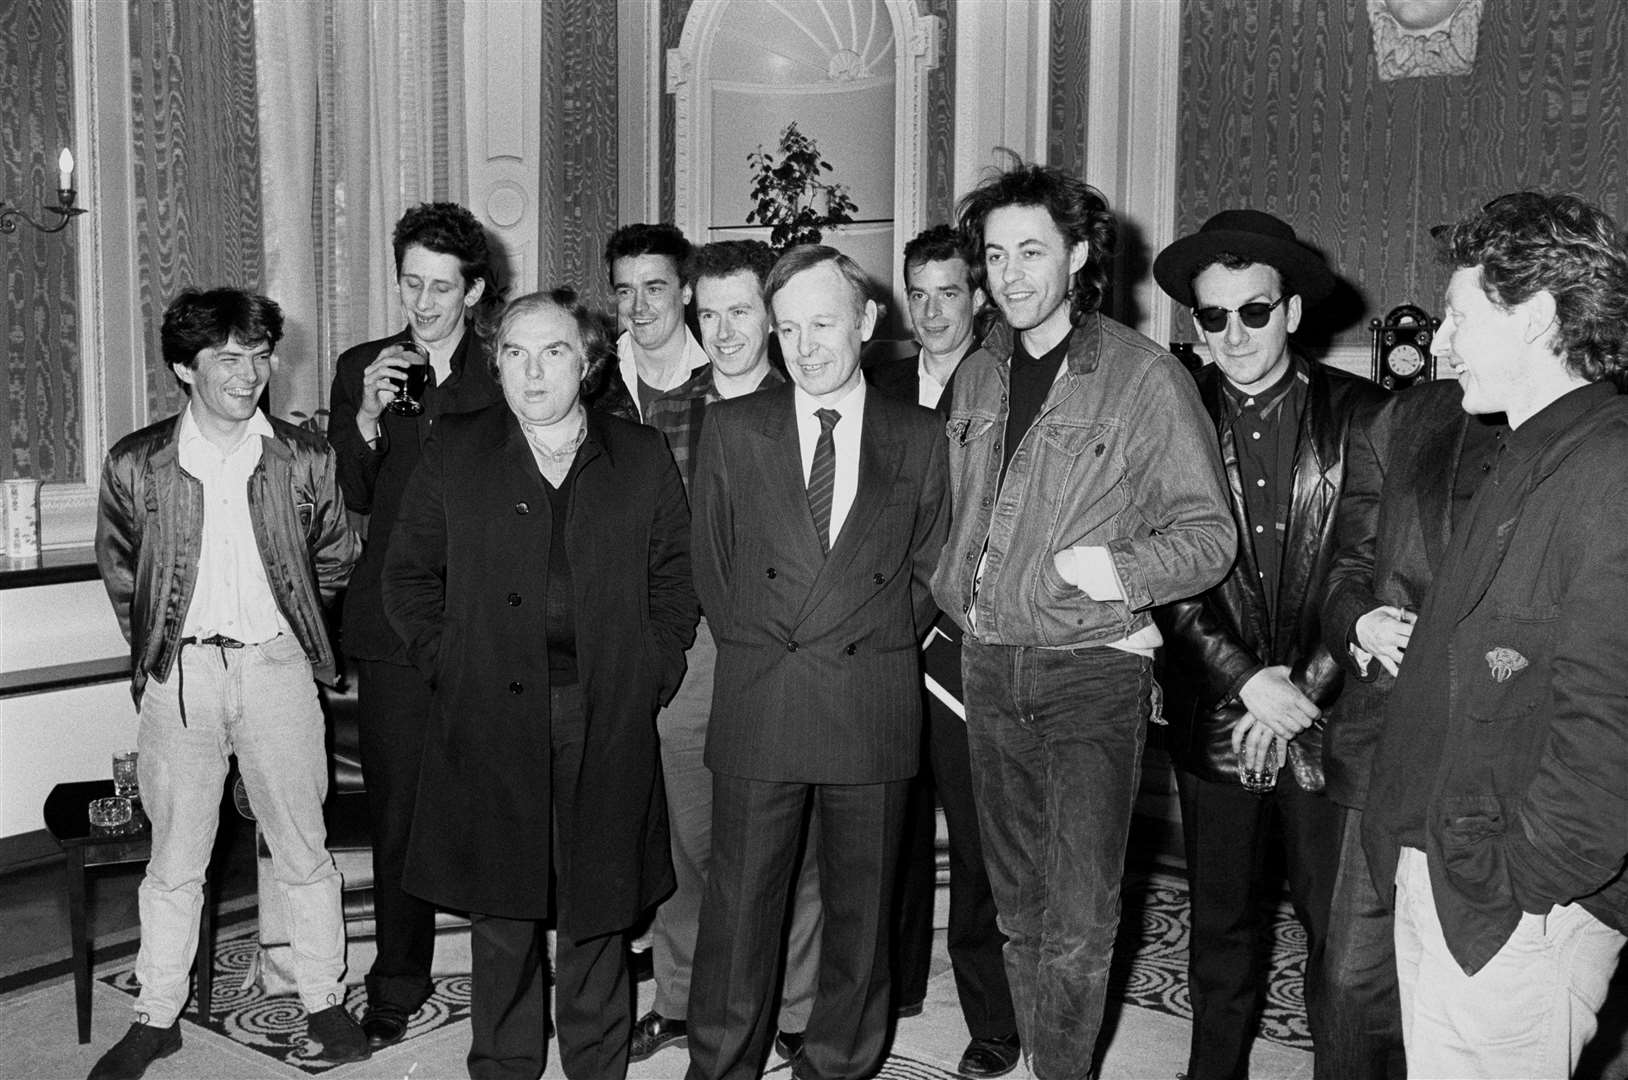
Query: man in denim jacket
[1087, 489]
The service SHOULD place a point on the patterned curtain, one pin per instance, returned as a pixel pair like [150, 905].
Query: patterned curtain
[1282, 109]
[361, 117]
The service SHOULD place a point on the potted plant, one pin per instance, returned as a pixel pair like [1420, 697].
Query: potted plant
[790, 194]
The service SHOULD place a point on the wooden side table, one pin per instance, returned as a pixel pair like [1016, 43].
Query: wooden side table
[69, 826]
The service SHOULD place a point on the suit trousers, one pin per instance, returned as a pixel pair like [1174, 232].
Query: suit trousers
[758, 827]
[593, 992]
[975, 941]
[1363, 1035]
[1226, 831]
[682, 726]
[394, 702]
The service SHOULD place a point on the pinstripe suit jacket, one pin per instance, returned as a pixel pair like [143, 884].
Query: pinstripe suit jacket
[818, 676]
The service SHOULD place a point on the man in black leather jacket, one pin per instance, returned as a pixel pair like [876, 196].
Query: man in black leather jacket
[1247, 672]
[445, 280]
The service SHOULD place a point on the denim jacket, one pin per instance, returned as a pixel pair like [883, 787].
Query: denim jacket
[149, 528]
[1121, 456]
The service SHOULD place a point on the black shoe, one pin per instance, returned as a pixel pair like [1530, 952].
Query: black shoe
[906, 1011]
[338, 1034]
[788, 1044]
[384, 1026]
[986, 1058]
[142, 1045]
[654, 1031]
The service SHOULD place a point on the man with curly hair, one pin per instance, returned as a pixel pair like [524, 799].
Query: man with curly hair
[1087, 489]
[446, 282]
[1497, 805]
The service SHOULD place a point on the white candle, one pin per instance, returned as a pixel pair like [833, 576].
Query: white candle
[65, 170]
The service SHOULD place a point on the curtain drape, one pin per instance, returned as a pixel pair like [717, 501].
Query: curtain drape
[361, 116]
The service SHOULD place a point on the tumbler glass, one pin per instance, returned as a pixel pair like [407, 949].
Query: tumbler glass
[1261, 781]
[124, 774]
[409, 399]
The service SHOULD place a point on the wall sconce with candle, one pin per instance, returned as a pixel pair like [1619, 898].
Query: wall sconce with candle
[65, 208]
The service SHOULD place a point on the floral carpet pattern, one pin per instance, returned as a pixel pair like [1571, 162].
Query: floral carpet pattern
[1149, 971]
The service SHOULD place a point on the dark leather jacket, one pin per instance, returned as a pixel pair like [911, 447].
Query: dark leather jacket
[1217, 641]
[149, 528]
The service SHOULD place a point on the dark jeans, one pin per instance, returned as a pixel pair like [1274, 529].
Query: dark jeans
[394, 705]
[1227, 832]
[1056, 739]
[1364, 1040]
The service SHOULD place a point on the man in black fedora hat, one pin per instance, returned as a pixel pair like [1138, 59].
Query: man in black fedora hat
[1248, 674]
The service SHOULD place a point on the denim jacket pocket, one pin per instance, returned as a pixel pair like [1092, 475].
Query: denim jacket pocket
[964, 428]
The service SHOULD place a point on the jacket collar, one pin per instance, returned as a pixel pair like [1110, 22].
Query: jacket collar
[1084, 345]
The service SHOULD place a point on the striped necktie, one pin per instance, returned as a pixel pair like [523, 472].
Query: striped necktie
[822, 476]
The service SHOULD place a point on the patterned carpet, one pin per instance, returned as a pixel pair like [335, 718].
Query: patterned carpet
[1149, 971]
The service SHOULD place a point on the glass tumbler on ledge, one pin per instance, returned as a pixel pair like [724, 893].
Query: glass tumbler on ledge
[124, 775]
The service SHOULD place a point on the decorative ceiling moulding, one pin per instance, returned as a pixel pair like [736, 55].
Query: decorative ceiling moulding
[693, 66]
[1415, 38]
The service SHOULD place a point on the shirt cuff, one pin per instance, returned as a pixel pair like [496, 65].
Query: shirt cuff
[1091, 570]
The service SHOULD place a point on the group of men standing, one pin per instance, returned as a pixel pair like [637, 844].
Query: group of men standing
[1385, 627]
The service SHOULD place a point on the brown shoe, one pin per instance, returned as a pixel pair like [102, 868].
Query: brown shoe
[142, 1045]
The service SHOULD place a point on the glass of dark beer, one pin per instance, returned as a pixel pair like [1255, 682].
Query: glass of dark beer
[409, 399]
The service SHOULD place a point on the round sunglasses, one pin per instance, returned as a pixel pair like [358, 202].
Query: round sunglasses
[1213, 320]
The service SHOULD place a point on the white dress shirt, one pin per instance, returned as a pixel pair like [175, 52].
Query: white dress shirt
[231, 595]
[845, 436]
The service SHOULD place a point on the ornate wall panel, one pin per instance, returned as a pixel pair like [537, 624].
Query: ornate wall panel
[196, 159]
[1069, 77]
[673, 14]
[940, 183]
[1282, 109]
[39, 324]
[587, 184]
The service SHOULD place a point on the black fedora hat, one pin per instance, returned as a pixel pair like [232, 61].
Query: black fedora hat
[1249, 234]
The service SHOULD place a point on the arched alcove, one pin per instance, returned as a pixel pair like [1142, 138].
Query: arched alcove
[852, 73]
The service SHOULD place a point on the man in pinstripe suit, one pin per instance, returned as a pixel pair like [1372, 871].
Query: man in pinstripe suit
[818, 511]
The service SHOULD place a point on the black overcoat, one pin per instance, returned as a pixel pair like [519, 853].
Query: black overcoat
[464, 586]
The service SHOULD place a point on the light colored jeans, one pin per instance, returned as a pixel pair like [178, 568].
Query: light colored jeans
[259, 703]
[1527, 1013]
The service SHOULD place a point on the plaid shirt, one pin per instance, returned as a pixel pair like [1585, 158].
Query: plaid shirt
[677, 414]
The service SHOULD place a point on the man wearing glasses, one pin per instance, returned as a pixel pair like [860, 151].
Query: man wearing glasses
[1249, 673]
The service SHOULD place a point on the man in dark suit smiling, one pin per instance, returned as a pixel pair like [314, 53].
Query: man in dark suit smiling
[819, 512]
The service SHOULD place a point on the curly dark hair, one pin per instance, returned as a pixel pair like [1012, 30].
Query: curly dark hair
[593, 326]
[206, 319]
[1079, 211]
[725, 257]
[937, 244]
[1530, 242]
[450, 229]
[641, 238]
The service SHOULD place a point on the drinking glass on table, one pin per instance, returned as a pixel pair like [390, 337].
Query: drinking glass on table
[124, 774]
